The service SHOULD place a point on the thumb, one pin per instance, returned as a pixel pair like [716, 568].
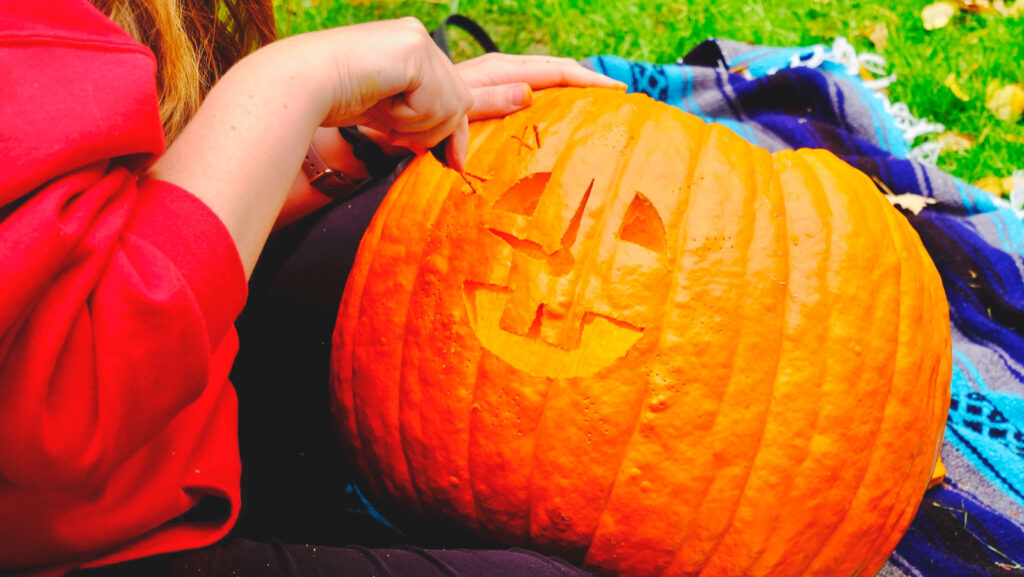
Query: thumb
[501, 100]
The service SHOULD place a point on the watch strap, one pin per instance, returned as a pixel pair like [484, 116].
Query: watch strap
[331, 183]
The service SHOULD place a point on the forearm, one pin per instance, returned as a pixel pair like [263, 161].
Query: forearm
[241, 152]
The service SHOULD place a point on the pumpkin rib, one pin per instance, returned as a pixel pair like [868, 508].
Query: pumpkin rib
[575, 107]
[586, 268]
[901, 515]
[358, 410]
[599, 547]
[488, 154]
[912, 295]
[899, 523]
[898, 511]
[874, 311]
[431, 180]
[706, 136]
[717, 565]
[414, 489]
[820, 286]
[553, 384]
[828, 296]
[746, 232]
[873, 464]
[449, 487]
[351, 303]
[783, 244]
[444, 471]
[849, 212]
[480, 511]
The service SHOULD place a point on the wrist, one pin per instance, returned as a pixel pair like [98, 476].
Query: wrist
[338, 154]
[377, 160]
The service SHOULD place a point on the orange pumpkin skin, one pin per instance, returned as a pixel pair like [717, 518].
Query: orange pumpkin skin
[637, 341]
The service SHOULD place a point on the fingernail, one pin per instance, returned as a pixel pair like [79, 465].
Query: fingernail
[524, 97]
[621, 86]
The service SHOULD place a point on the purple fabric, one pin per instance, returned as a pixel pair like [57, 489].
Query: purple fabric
[241, 557]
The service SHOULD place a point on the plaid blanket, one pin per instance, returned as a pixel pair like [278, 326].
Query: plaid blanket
[973, 524]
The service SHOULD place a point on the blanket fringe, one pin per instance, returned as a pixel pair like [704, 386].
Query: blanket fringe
[844, 54]
[1017, 194]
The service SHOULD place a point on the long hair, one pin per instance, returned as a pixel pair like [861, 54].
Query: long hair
[195, 42]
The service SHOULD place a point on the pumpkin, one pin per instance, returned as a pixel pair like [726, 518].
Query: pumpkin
[633, 339]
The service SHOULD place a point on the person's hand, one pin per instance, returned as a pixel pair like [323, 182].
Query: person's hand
[503, 83]
[241, 152]
[390, 77]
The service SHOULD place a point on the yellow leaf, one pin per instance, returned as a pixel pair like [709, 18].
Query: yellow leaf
[996, 185]
[955, 141]
[1010, 11]
[937, 15]
[977, 6]
[938, 473]
[1006, 103]
[915, 203]
[954, 87]
[878, 34]
[991, 184]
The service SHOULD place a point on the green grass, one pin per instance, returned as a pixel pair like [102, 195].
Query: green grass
[978, 48]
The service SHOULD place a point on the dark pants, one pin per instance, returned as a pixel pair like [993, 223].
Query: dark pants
[297, 487]
[244, 558]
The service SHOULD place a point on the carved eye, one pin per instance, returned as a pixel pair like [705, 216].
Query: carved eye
[523, 196]
[642, 225]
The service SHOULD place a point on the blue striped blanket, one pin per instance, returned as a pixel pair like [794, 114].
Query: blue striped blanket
[973, 524]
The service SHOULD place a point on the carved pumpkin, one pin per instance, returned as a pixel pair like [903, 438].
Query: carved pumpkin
[637, 341]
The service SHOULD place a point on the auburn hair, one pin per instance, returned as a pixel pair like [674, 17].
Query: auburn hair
[195, 42]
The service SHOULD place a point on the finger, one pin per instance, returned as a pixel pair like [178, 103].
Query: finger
[458, 146]
[498, 101]
[439, 94]
[380, 139]
[424, 139]
[537, 71]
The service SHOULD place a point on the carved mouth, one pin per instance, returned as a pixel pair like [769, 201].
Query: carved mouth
[603, 340]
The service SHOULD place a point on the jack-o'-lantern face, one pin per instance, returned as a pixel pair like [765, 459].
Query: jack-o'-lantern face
[574, 249]
[632, 339]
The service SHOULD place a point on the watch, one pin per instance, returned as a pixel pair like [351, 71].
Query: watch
[330, 182]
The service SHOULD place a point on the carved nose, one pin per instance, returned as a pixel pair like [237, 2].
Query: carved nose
[544, 291]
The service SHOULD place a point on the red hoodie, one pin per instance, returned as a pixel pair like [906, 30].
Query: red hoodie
[117, 298]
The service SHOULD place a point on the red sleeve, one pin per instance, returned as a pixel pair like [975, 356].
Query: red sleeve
[117, 422]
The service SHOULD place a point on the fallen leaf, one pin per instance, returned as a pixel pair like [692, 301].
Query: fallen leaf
[996, 185]
[937, 15]
[954, 87]
[990, 184]
[955, 141]
[1006, 103]
[915, 203]
[977, 6]
[878, 34]
[1010, 11]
